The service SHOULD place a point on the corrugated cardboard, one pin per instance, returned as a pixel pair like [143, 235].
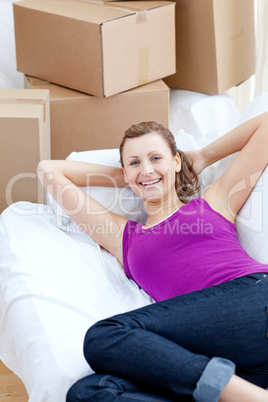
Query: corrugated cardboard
[24, 141]
[81, 122]
[215, 44]
[101, 50]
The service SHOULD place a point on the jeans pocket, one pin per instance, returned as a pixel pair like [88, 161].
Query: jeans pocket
[261, 277]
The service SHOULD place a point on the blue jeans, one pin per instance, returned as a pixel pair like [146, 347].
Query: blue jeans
[184, 349]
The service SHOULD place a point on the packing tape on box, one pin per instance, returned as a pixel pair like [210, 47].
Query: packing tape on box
[26, 102]
[141, 15]
[143, 66]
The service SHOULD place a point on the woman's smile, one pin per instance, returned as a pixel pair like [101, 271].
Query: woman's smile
[150, 183]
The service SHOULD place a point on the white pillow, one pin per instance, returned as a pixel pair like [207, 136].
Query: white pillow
[199, 114]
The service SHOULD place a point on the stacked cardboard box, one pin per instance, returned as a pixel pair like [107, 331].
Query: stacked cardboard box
[24, 141]
[80, 122]
[114, 55]
[215, 44]
[99, 49]
[133, 43]
[104, 52]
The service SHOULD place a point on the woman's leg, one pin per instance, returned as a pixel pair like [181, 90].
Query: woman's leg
[185, 345]
[106, 388]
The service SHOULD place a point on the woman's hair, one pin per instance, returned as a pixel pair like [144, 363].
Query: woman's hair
[186, 182]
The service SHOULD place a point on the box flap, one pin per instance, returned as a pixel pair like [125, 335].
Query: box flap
[24, 103]
[26, 94]
[21, 110]
[90, 12]
[11, 97]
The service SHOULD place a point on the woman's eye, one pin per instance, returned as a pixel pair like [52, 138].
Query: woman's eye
[156, 158]
[133, 163]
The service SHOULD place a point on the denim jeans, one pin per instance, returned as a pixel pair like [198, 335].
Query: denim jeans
[184, 348]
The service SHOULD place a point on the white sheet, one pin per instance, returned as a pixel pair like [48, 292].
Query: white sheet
[54, 285]
[199, 114]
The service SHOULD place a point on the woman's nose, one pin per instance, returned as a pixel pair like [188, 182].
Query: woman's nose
[147, 169]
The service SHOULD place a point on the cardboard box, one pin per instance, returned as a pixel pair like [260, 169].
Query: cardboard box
[24, 141]
[99, 1]
[101, 50]
[81, 122]
[215, 44]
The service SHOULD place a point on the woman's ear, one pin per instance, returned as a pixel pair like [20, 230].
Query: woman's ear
[177, 163]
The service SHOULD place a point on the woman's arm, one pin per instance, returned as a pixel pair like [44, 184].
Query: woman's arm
[62, 178]
[88, 174]
[226, 145]
[234, 141]
[228, 194]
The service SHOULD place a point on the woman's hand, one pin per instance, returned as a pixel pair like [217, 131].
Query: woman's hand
[198, 160]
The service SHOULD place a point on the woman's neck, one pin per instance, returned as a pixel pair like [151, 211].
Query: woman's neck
[156, 212]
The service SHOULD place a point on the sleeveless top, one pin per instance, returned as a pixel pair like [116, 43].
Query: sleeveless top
[194, 248]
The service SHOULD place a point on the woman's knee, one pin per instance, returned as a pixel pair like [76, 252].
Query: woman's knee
[103, 336]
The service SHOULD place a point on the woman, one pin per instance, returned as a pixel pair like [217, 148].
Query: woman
[206, 337]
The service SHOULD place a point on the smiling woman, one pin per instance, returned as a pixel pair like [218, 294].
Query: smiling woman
[187, 257]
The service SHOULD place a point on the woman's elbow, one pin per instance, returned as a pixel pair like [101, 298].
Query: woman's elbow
[43, 165]
[45, 170]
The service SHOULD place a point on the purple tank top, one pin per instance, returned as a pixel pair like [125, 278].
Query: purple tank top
[194, 248]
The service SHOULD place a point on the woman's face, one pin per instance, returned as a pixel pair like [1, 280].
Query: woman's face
[150, 167]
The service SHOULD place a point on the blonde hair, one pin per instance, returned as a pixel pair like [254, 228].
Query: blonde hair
[186, 182]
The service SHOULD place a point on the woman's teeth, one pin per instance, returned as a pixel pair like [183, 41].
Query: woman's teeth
[148, 183]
